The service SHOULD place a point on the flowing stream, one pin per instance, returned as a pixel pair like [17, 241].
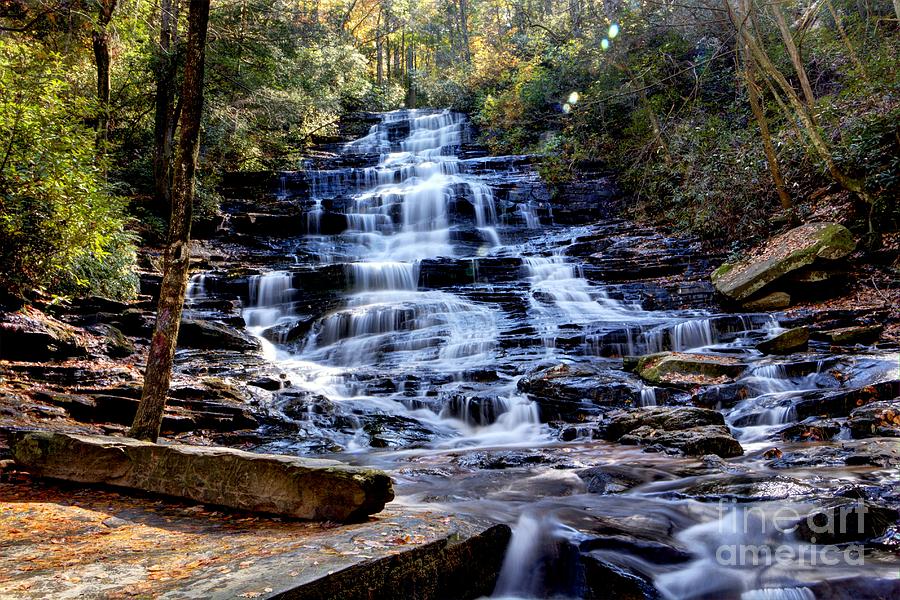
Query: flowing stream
[452, 295]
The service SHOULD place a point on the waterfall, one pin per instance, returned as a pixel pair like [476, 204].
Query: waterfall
[197, 286]
[270, 296]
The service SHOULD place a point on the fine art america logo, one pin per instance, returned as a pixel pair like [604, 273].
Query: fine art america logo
[824, 537]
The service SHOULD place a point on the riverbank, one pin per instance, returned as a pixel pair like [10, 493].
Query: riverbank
[66, 541]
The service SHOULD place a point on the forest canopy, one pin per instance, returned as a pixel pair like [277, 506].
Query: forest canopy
[718, 118]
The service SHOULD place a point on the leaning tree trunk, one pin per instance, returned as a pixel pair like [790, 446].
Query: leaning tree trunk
[100, 43]
[176, 261]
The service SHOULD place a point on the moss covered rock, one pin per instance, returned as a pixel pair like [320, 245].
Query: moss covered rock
[686, 369]
[783, 254]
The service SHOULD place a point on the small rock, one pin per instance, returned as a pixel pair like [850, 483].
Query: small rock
[115, 522]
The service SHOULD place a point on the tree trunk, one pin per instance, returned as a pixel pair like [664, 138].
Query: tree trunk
[100, 42]
[464, 28]
[410, 83]
[793, 53]
[760, 116]
[379, 66]
[164, 118]
[846, 39]
[801, 111]
[176, 260]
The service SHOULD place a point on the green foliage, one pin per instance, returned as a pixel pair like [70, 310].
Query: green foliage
[61, 228]
[272, 84]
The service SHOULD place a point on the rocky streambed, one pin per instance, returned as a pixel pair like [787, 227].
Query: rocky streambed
[409, 303]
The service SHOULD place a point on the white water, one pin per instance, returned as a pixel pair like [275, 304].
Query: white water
[406, 209]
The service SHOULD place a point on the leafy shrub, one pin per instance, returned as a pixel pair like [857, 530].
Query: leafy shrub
[61, 228]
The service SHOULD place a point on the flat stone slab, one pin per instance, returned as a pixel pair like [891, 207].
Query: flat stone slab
[302, 488]
[60, 540]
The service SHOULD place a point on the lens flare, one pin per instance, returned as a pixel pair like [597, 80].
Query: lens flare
[604, 44]
[613, 31]
[574, 97]
[567, 108]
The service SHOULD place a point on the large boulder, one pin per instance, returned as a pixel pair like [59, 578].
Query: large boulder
[686, 369]
[783, 254]
[297, 487]
[687, 429]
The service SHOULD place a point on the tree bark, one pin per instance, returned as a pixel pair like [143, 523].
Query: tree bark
[464, 29]
[410, 83]
[793, 53]
[102, 60]
[801, 110]
[760, 116]
[176, 260]
[379, 65]
[164, 117]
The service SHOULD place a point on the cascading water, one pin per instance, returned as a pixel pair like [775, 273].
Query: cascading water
[425, 341]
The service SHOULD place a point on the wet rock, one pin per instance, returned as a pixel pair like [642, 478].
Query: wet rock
[619, 422]
[474, 409]
[873, 452]
[604, 579]
[863, 334]
[571, 392]
[691, 430]
[272, 384]
[503, 459]
[840, 403]
[812, 429]
[720, 396]
[878, 419]
[696, 441]
[609, 479]
[211, 335]
[856, 588]
[301, 488]
[30, 335]
[845, 520]
[303, 404]
[767, 302]
[748, 488]
[686, 369]
[80, 407]
[795, 249]
[396, 431]
[786, 342]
